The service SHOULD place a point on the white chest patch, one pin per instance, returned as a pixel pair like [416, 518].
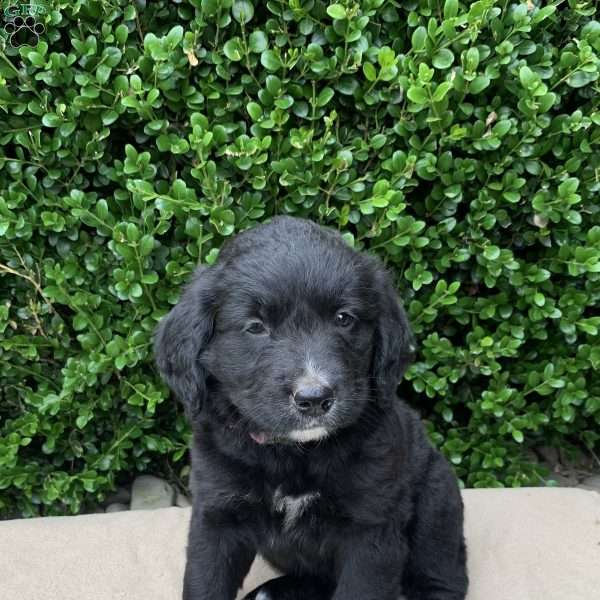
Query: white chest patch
[292, 507]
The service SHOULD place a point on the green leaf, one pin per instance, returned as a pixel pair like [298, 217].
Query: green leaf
[336, 11]
[175, 36]
[102, 209]
[491, 252]
[418, 38]
[417, 95]
[542, 13]
[102, 74]
[270, 60]
[136, 291]
[51, 120]
[284, 102]
[441, 91]
[36, 59]
[112, 56]
[242, 11]
[442, 59]
[325, 96]
[369, 71]
[109, 117]
[257, 42]
[568, 186]
[501, 128]
[479, 84]
[133, 233]
[581, 78]
[472, 59]
[511, 196]
[254, 110]
[121, 33]
[150, 278]
[146, 245]
[386, 57]
[539, 299]
[233, 49]
[527, 76]
[450, 9]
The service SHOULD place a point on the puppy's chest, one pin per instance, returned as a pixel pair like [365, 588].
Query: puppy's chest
[293, 509]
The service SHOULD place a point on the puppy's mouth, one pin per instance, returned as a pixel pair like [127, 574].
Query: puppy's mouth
[294, 436]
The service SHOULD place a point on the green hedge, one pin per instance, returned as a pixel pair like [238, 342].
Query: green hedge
[457, 140]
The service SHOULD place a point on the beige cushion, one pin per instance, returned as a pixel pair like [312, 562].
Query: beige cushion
[524, 544]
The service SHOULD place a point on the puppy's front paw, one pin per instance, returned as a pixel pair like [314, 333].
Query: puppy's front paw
[289, 587]
[259, 594]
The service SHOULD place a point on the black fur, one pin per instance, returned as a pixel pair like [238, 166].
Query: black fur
[383, 516]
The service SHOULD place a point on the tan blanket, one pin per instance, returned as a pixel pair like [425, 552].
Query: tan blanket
[525, 544]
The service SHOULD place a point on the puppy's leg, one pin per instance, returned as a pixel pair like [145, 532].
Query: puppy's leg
[371, 564]
[437, 568]
[217, 560]
[291, 587]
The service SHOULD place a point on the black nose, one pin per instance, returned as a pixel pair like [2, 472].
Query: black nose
[314, 400]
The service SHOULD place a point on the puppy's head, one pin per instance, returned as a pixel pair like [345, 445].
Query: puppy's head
[291, 327]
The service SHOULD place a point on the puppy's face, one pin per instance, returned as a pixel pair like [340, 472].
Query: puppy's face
[293, 341]
[293, 328]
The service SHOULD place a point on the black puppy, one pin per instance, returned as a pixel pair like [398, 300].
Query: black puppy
[286, 355]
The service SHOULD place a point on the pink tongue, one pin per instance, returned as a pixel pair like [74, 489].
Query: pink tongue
[259, 438]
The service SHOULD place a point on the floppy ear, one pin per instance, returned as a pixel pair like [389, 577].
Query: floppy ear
[394, 342]
[180, 338]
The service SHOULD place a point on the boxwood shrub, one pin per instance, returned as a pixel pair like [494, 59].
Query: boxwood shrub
[459, 141]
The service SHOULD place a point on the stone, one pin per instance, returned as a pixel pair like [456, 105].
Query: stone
[581, 462]
[563, 480]
[149, 492]
[182, 500]
[116, 507]
[591, 483]
[121, 495]
[549, 455]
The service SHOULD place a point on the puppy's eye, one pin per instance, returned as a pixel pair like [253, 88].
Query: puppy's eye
[344, 319]
[256, 328]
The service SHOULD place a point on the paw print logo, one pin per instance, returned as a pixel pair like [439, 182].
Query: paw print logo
[24, 31]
